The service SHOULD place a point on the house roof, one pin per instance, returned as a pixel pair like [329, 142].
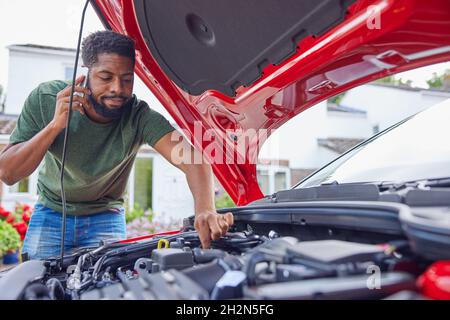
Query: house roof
[39, 46]
[41, 50]
[407, 88]
[339, 145]
[344, 109]
[273, 162]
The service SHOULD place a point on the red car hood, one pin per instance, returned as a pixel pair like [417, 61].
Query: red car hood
[331, 52]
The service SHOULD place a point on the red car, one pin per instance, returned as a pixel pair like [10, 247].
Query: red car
[236, 70]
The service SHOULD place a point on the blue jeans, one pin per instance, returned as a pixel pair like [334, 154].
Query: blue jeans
[43, 238]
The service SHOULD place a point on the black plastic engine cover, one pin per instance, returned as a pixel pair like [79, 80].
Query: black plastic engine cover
[222, 44]
[172, 258]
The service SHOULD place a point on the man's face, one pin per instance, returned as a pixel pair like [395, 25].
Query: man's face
[111, 80]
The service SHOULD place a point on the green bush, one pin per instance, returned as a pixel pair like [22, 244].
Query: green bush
[137, 212]
[224, 201]
[9, 238]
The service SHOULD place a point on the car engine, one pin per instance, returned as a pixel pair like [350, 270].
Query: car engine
[241, 265]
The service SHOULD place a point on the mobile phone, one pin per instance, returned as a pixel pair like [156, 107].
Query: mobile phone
[85, 83]
[83, 71]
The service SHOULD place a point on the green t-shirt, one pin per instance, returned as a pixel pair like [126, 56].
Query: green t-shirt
[99, 157]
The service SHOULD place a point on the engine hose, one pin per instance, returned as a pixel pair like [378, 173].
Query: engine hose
[56, 289]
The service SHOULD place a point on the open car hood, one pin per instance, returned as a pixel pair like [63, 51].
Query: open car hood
[236, 68]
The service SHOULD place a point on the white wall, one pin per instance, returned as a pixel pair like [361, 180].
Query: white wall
[27, 70]
[386, 106]
[171, 194]
[296, 140]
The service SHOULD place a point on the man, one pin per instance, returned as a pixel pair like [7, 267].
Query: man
[107, 128]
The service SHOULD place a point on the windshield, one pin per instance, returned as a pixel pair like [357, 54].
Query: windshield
[415, 149]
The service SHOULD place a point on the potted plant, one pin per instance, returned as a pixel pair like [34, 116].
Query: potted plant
[18, 220]
[9, 243]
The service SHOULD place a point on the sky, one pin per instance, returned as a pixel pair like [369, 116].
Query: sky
[56, 23]
[46, 22]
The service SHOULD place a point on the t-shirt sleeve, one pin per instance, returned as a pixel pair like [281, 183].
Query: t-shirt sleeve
[30, 121]
[154, 126]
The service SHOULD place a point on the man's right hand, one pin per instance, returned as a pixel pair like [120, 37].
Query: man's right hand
[62, 103]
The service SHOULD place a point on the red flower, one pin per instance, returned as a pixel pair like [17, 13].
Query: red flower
[21, 227]
[26, 207]
[22, 237]
[11, 219]
[25, 217]
[4, 213]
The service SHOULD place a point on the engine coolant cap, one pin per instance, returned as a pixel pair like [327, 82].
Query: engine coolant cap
[435, 282]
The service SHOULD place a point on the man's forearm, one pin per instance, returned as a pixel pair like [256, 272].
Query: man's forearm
[20, 160]
[209, 224]
[201, 182]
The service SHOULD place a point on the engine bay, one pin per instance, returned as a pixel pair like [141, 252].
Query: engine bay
[299, 250]
[242, 265]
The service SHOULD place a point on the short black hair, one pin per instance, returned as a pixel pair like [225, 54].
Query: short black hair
[106, 42]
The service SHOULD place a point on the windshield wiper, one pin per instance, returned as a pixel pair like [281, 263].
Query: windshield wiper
[423, 184]
[438, 183]
[364, 191]
[330, 192]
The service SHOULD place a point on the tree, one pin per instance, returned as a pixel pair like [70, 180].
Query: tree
[396, 82]
[388, 79]
[440, 81]
[224, 201]
[337, 99]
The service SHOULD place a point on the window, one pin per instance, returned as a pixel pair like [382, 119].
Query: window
[143, 174]
[272, 179]
[263, 181]
[280, 181]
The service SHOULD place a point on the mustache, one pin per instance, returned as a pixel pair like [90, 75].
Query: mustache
[115, 97]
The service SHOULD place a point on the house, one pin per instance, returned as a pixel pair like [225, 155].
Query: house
[386, 104]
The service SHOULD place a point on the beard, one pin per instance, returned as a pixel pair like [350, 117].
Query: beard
[110, 113]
